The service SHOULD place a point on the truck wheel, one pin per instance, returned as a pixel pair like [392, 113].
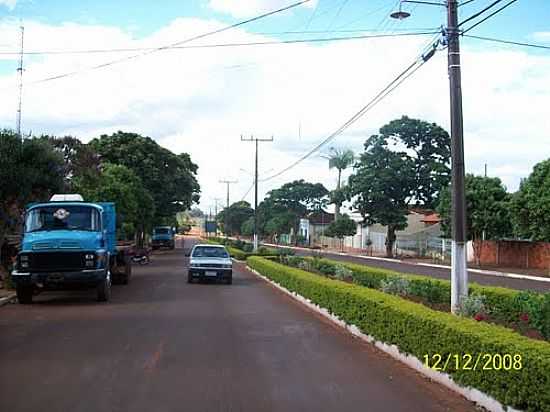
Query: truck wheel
[229, 280]
[127, 271]
[189, 278]
[24, 294]
[104, 289]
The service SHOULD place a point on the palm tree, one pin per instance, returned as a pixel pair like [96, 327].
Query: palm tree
[339, 159]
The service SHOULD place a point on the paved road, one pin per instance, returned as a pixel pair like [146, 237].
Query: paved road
[440, 273]
[164, 345]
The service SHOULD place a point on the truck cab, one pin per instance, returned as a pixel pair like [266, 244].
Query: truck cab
[69, 244]
[163, 236]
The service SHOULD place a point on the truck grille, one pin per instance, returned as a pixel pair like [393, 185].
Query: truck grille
[56, 261]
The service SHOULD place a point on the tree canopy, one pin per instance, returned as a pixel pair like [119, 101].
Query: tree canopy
[487, 208]
[531, 205]
[383, 185]
[429, 145]
[341, 227]
[119, 184]
[170, 178]
[339, 159]
[231, 219]
[30, 170]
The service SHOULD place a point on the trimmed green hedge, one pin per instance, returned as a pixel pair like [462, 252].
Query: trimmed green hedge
[418, 330]
[240, 254]
[503, 302]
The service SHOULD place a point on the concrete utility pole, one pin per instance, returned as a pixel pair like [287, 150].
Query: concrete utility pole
[256, 140]
[227, 182]
[20, 72]
[459, 270]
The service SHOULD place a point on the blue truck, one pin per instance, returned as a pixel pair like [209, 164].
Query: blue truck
[70, 244]
[163, 236]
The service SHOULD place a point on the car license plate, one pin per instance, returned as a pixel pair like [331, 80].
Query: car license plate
[209, 273]
[55, 277]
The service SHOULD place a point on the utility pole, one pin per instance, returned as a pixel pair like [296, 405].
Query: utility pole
[227, 182]
[256, 140]
[459, 271]
[20, 72]
[216, 201]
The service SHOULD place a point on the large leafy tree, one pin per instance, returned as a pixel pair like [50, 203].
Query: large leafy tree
[383, 185]
[339, 159]
[531, 205]
[80, 160]
[170, 178]
[429, 145]
[119, 184]
[30, 170]
[231, 219]
[283, 207]
[487, 208]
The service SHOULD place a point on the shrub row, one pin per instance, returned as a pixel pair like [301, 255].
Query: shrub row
[245, 249]
[506, 305]
[415, 329]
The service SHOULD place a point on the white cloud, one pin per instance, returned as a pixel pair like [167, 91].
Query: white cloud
[201, 100]
[10, 4]
[249, 8]
[543, 36]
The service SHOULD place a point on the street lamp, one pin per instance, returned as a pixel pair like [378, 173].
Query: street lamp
[459, 272]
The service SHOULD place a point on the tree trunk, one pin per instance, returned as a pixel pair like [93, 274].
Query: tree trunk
[337, 204]
[390, 241]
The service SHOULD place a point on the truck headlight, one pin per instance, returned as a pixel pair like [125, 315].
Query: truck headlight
[24, 261]
[227, 266]
[90, 260]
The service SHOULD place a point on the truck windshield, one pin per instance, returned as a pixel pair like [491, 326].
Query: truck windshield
[210, 252]
[163, 231]
[61, 217]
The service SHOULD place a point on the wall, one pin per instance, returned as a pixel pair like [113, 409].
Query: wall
[509, 253]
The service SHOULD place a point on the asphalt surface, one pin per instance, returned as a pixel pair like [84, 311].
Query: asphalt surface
[435, 272]
[162, 344]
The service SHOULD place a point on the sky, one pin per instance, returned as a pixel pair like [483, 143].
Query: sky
[201, 100]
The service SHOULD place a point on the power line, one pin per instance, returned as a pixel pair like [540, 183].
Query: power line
[215, 45]
[479, 13]
[489, 16]
[398, 80]
[538, 46]
[248, 191]
[173, 45]
[275, 33]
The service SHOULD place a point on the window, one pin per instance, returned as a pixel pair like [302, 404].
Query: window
[62, 217]
[210, 252]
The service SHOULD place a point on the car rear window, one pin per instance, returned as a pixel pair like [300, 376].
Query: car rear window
[214, 252]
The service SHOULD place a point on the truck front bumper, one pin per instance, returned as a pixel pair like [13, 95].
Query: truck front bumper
[83, 279]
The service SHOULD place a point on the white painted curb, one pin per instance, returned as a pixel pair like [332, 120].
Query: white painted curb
[444, 379]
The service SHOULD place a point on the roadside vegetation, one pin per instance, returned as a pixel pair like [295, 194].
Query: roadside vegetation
[526, 312]
[421, 331]
[241, 250]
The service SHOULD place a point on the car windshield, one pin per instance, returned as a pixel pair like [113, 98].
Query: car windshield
[162, 231]
[62, 217]
[210, 252]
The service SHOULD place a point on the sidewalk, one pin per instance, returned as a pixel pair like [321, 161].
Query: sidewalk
[508, 273]
[6, 296]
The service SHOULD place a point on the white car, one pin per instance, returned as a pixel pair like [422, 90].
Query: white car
[210, 262]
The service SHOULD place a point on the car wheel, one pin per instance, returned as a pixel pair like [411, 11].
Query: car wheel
[24, 294]
[229, 280]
